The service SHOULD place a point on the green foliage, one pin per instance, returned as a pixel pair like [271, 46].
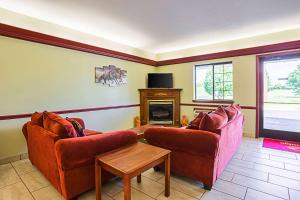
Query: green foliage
[276, 86]
[208, 82]
[269, 83]
[222, 83]
[294, 80]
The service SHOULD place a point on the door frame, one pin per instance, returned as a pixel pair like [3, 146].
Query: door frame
[260, 131]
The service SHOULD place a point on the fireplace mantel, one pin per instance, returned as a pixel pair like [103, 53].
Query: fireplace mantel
[151, 94]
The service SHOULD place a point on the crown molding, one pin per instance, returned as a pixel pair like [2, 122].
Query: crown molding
[24, 34]
[28, 35]
[233, 53]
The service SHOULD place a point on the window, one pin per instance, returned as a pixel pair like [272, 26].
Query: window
[214, 82]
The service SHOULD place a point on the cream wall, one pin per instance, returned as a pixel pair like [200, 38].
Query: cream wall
[244, 85]
[37, 77]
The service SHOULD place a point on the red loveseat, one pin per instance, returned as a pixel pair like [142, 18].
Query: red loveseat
[69, 163]
[199, 154]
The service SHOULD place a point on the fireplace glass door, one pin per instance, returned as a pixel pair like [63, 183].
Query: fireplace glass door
[161, 112]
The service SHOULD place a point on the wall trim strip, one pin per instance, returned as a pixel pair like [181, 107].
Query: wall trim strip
[199, 109]
[214, 105]
[249, 107]
[27, 115]
[28, 35]
[200, 105]
[24, 34]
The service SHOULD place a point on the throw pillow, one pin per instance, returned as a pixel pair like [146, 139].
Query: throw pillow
[194, 124]
[214, 120]
[77, 126]
[231, 112]
[237, 107]
[58, 125]
[37, 118]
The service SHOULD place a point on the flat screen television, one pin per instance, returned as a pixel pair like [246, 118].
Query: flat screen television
[160, 80]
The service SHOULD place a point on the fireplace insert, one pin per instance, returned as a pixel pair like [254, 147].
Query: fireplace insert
[161, 112]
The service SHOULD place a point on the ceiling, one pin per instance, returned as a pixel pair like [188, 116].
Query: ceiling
[165, 25]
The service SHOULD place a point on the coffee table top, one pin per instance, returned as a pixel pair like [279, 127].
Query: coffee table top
[131, 158]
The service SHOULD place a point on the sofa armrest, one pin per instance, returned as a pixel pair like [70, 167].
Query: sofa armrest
[41, 144]
[76, 152]
[197, 142]
[89, 132]
[24, 131]
[39, 137]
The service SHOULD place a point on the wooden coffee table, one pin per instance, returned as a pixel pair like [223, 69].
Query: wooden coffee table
[131, 161]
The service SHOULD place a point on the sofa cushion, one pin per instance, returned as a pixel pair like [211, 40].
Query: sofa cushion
[37, 118]
[77, 126]
[214, 120]
[231, 112]
[237, 107]
[194, 124]
[58, 125]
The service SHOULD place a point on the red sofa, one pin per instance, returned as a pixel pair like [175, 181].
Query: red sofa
[69, 163]
[199, 154]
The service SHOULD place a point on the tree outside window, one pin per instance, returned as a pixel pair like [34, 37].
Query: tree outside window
[294, 80]
[214, 81]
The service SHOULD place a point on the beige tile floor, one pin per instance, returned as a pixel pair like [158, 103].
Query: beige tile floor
[255, 173]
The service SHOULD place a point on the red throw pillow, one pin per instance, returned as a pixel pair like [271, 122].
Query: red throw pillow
[77, 126]
[214, 120]
[58, 125]
[194, 124]
[237, 107]
[231, 112]
[37, 118]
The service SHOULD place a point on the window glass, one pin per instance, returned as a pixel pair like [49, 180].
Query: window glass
[214, 82]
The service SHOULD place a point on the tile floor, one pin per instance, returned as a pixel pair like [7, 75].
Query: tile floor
[255, 173]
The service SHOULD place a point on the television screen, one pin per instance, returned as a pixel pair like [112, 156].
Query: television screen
[160, 80]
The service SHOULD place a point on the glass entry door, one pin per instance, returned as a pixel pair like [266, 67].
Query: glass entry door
[280, 97]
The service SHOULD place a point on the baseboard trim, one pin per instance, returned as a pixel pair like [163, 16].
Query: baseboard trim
[250, 135]
[10, 159]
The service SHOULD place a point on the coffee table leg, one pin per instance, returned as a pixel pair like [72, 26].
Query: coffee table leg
[167, 176]
[98, 181]
[139, 178]
[127, 189]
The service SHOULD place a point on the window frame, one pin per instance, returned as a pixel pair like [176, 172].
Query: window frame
[211, 100]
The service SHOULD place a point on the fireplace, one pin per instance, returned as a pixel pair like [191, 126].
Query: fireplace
[161, 112]
[160, 106]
